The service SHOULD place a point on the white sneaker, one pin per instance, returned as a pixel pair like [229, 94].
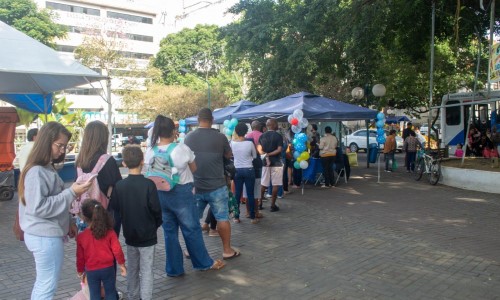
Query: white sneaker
[268, 196]
[280, 197]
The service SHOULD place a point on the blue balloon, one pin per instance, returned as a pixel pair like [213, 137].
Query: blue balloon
[380, 123]
[300, 148]
[296, 165]
[295, 141]
[182, 122]
[226, 123]
[380, 131]
[182, 128]
[380, 116]
[229, 131]
[296, 154]
[234, 122]
[381, 139]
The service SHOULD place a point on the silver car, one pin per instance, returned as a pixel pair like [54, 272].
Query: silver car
[357, 140]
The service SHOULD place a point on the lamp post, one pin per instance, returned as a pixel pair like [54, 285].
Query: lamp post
[358, 94]
[378, 91]
[184, 71]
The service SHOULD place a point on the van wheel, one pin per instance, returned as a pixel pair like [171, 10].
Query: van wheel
[353, 147]
[6, 193]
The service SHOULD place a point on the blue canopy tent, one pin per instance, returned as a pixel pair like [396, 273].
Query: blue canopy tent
[30, 71]
[396, 119]
[220, 115]
[313, 106]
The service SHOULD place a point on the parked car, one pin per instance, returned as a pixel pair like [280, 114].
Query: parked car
[424, 129]
[357, 140]
[138, 138]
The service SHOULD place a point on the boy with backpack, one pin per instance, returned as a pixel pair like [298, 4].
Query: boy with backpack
[135, 198]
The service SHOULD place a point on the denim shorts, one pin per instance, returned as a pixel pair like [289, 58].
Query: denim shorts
[218, 200]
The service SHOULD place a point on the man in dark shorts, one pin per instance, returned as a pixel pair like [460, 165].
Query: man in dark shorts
[270, 146]
[210, 147]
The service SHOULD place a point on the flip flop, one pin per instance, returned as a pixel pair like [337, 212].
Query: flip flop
[235, 254]
[218, 264]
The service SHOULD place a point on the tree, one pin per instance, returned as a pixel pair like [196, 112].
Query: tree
[24, 16]
[202, 53]
[176, 102]
[329, 47]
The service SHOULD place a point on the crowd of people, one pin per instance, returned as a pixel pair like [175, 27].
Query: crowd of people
[482, 143]
[263, 168]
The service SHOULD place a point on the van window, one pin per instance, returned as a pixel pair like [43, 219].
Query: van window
[453, 113]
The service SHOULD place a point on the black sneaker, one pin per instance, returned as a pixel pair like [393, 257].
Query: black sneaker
[274, 208]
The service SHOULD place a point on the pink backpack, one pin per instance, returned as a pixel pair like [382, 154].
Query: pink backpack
[94, 192]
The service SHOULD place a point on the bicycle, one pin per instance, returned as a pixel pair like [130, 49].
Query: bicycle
[428, 164]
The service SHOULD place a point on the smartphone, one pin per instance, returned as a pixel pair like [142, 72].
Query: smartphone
[92, 178]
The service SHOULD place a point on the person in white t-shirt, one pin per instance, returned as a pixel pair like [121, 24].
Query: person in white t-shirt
[244, 152]
[23, 154]
[178, 205]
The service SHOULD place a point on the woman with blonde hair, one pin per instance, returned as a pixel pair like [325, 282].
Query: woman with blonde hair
[44, 207]
[94, 146]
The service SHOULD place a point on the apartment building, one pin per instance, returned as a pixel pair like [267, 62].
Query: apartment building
[130, 26]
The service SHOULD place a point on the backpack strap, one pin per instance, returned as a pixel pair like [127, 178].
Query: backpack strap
[100, 163]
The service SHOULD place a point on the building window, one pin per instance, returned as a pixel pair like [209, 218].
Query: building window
[135, 55]
[73, 8]
[131, 18]
[82, 30]
[130, 36]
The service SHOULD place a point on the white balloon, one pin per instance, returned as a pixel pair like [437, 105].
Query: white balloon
[290, 117]
[304, 123]
[304, 164]
[296, 129]
[182, 135]
[298, 114]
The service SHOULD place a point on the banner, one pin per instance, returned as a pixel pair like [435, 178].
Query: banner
[495, 63]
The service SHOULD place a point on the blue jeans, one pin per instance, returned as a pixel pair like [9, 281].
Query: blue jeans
[410, 160]
[245, 176]
[108, 278]
[389, 158]
[219, 203]
[49, 254]
[179, 210]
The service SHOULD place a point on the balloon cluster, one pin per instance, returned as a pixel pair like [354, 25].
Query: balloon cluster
[182, 130]
[297, 121]
[230, 124]
[380, 128]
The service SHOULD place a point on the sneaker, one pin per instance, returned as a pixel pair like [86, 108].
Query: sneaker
[268, 196]
[280, 197]
[120, 295]
[274, 208]
[213, 232]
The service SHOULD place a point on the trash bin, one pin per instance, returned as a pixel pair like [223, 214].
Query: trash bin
[372, 153]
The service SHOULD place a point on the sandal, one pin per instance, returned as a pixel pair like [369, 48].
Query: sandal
[259, 215]
[218, 264]
[235, 254]
[205, 227]
[236, 220]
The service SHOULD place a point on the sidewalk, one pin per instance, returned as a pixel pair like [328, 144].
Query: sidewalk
[399, 239]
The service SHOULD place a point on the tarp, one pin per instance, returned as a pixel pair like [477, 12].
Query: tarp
[396, 119]
[28, 67]
[226, 113]
[313, 106]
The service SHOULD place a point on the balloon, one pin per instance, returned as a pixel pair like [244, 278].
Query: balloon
[229, 131]
[182, 128]
[182, 122]
[226, 123]
[234, 122]
[296, 129]
[304, 164]
[294, 121]
[295, 141]
[290, 117]
[305, 155]
[296, 165]
[299, 159]
[381, 139]
[298, 114]
[380, 131]
[296, 154]
[380, 123]
[304, 123]
[380, 116]
[300, 148]
[182, 135]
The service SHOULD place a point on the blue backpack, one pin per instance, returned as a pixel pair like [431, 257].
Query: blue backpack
[162, 171]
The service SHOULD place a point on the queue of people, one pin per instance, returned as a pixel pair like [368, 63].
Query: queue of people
[140, 205]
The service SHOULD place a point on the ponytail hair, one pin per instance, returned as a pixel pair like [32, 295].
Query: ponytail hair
[100, 221]
[164, 127]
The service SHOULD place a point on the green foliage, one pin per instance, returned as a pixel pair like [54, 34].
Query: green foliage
[331, 46]
[24, 16]
[201, 53]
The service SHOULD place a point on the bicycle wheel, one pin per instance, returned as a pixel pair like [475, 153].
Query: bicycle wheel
[419, 169]
[435, 173]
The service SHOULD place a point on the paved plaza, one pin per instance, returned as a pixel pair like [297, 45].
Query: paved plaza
[398, 239]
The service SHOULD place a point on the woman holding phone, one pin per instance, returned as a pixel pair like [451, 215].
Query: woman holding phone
[44, 207]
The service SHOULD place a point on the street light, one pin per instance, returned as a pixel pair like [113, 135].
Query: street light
[358, 94]
[378, 91]
[185, 71]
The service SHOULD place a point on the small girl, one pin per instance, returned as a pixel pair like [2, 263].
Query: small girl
[459, 152]
[97, 249]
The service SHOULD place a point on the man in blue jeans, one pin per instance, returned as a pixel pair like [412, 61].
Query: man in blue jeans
[210, 147]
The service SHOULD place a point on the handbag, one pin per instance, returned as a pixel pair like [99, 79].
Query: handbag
[18, 232]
